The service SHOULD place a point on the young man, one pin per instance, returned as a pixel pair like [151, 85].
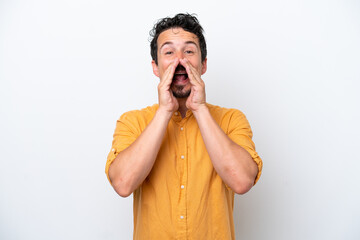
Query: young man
[183, 159]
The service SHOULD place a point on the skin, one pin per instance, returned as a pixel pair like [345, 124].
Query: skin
[176, 46]
[233, 163]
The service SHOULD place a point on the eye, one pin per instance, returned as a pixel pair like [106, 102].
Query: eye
[189, 52]
[168, 53]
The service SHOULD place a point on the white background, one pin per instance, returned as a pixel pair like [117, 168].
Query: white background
[70, 68]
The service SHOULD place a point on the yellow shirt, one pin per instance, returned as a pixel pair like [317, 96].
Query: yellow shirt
[183, 197]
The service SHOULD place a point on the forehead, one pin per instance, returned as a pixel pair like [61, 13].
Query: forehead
[177, 35]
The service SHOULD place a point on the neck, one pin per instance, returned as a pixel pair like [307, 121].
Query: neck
[182, 106]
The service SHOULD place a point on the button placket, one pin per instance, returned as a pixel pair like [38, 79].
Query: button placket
[182, 156]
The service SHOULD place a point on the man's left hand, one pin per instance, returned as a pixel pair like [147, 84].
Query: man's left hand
[197, 98]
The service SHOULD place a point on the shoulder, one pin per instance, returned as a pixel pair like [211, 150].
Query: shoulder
[137, 120]
[144, 113]
[225, 113]
[229, 118]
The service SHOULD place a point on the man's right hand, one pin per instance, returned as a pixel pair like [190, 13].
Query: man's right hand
[133, 164]
[167, 101]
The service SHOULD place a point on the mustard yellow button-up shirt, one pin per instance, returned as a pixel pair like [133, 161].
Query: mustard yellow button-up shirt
[183, 197]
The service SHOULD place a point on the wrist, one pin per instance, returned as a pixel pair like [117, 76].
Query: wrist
[201, 110]
[164, 113]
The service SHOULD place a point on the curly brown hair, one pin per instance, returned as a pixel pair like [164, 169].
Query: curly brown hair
[186, 21]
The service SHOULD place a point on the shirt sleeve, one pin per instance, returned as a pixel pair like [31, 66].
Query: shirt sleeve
[125, 134]
[240, 132]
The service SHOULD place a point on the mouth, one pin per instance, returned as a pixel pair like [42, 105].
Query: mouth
[180, 75]
[180, 78]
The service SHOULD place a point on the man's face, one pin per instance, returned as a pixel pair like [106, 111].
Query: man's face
[178, 43]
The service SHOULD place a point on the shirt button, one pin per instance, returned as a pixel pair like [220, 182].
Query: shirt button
[182, 186]
[181, 128]
[182, 157]
[176, 113]
[182, 217]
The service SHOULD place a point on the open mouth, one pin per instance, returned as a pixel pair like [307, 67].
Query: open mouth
[180, 75]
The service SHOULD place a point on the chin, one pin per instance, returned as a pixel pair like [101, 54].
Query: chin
[181, 91]
[181, 94]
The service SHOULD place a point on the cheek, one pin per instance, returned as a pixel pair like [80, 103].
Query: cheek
[163, 65]
[194, 60]
[196, 64]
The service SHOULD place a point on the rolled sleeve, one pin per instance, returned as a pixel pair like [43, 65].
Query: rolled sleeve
[125, 134]
[240, 132]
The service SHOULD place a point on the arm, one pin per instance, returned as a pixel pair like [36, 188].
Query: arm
[132, 165]
[233, 163]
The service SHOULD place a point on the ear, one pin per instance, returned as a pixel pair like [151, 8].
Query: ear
[155, 68]
[203, 66]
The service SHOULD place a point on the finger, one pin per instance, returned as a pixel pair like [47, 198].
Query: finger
[169, 73]
[196, 74]
[193, 74]
[189, 72]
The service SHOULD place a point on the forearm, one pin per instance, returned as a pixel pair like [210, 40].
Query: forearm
[132, 165]
[233, 163]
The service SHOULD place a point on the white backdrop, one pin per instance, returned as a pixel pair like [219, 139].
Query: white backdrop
[70, 68]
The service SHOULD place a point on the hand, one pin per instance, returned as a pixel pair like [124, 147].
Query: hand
[197, 98]
[167, 101]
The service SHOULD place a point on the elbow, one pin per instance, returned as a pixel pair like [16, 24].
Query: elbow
[123, 193]
[243, 186]
[120, 183]
[121, 186]
[244, 183]
[122, 189]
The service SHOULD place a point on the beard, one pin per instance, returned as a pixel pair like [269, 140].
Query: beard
[179, 93]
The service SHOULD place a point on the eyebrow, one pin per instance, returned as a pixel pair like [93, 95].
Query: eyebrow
[171, 43]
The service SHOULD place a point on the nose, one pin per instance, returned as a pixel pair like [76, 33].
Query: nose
[179, 54]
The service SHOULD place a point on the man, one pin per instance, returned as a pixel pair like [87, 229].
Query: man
[183, 159]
